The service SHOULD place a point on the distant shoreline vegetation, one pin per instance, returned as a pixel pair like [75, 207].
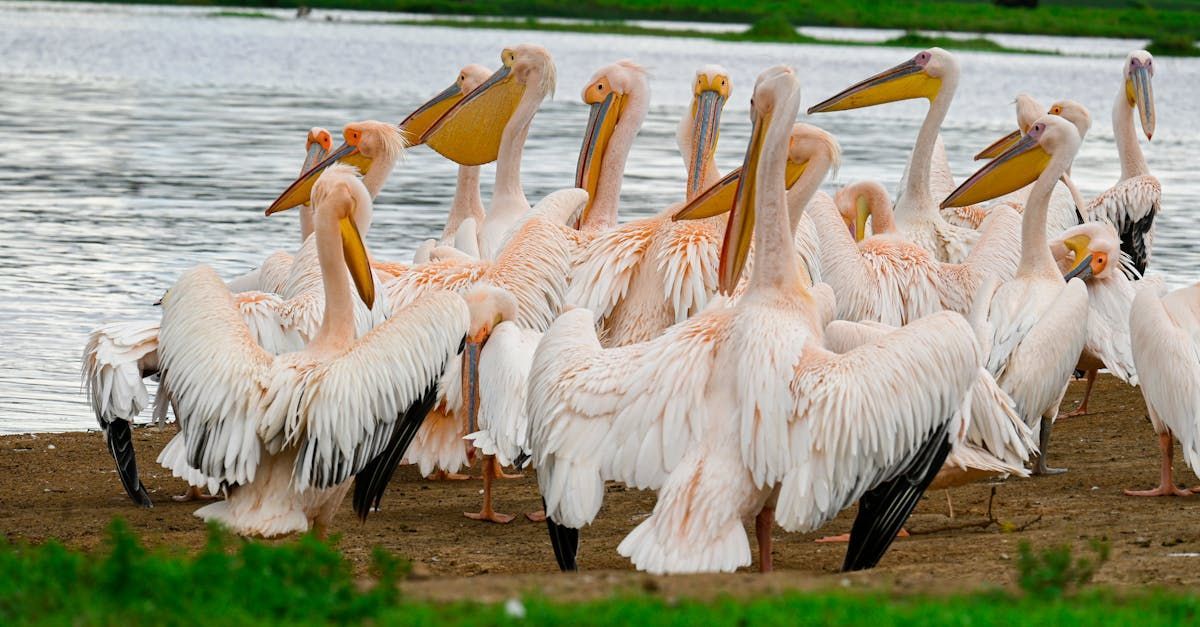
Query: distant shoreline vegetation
[1173, 26]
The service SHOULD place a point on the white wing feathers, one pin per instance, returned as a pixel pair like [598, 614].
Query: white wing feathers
[114, 361]
[342, 412]
[626, 414]
[842, 442]
[1166, 349]
[503, 383]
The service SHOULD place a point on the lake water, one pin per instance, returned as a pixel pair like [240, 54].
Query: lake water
[136, 142]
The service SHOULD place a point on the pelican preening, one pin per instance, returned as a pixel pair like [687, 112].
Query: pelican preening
[715, 352]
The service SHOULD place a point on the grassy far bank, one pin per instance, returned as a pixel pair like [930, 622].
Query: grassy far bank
[307, 581]
[1092, 18]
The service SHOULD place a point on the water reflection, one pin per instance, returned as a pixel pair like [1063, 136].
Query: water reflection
[138, 142]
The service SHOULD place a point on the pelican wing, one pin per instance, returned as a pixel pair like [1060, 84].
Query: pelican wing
[844, 440]
[503, 384]
[533, 267]
[217, 374]
[602, 273]
[627, 414]
[115, 359]
[1166, 348]
[688, 260]
[342, 412]
[1108, 333]
[1131, 206]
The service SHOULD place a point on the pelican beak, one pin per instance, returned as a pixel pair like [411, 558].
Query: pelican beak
[721, 196]
[602, 121]
[357, 261]
[419, 122]
[862, 212]
[318, 149]
[1141, 95]
[1083, 270]
[735, 249]
[1015, 168]
[905, 81]
[706, 118]
[470, 376]
[999, 146]
[1088, 264]
[300, 191]
[469, 133]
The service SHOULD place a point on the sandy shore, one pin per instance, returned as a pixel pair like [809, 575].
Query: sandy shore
[64, 486]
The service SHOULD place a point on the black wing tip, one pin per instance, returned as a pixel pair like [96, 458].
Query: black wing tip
[883, 510]
[371, 482]
[119, 436]
[565, 542]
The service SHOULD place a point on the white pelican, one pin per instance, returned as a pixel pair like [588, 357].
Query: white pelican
[286, 433]
[1066, 203]
[740, 406]
[931, 74]
[861, 201]
[491, 124]
[1034, 326]
[889, 279]
[1164, 330]
[495, 374]
[1132, 204]
[1110, 295]
[119, 356]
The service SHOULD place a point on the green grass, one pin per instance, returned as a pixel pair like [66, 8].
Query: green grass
[1173, 45]
[306, 581]
[1096, 18]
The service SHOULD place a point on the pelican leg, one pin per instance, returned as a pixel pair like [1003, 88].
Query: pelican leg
[1166, 481]
[762, 528]
[565, 542]
[1082, 409]
[537, 516]
[442, 475]
[194, 494]
[490, 472]
[1040, 468]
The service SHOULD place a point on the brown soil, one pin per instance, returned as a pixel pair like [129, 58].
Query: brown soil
[64, 486]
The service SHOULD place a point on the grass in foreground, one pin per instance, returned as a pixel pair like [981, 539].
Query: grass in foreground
[307, 581]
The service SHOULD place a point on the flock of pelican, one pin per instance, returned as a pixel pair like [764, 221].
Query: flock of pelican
[757, 350]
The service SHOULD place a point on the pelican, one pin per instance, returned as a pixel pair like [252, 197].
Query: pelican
[931, 74]
[1066, 203]
[286, 433]
[889, 279]
[495, 373]
[491, 124]
[1033, 326]
[1110, 295]
[1164, 328]
[861, 201]
[1132, 204]
[119, 356]
[740, 410]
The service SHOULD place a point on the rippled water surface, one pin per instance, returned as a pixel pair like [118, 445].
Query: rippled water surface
[136, 142]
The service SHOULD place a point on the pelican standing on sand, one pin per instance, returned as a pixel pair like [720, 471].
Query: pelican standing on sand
[1110, 295]
[931, 74]
[1034, 326]
[739, 410]
[1133, 203]
[287, 433]
[1164, 330]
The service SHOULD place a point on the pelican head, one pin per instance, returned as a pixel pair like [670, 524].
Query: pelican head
[776, 100]
[1139, 93]
[1075, 113]
[858, 201]
[919, 77]
[1085, 250]
[469, 133]
[364, 143]
[316, 146]
[488, 306]
[609, 93]
[698, 132]
[1028, 111]
[339, 197]
[419, 121]
[1050, 138]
